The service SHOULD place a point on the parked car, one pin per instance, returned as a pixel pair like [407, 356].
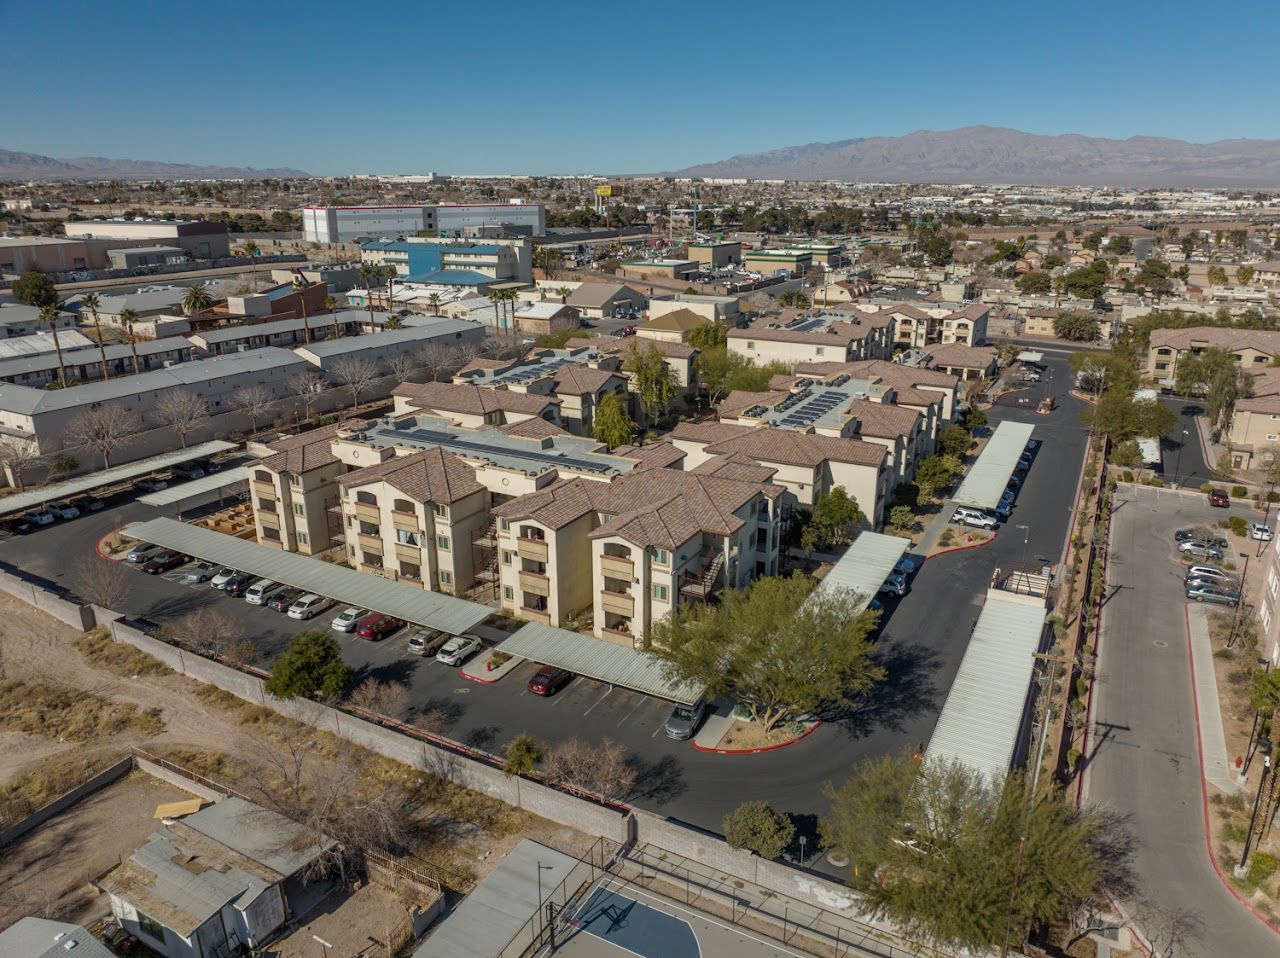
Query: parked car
[425, 641]
[908, 565]
[973, 517]
[549, 680]
[189, 470]
[1259, 532]
[1215, 594]
[281, 599]
[200, 572]
[458, 649]
[1003, 511]
[259, 592]
[151, 484]
[17, 527]
[1201, 535]
[65, 510]
[1219, 498]
[627, 331]
[1210, 572]
[238, 584]
[895, 584]
[42, 517]
[347, 620]
[89, 504]
[1201, 550]
[1013, 485]
[377, 626]
[309, 605]
[684, 720]
[163, 562]
[220, 579]
[142, 552]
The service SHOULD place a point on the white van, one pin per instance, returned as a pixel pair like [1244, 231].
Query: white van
[260, 591]
[307, 606]
[973, 517]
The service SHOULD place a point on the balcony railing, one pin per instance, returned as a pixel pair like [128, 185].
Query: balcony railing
[367, 512]
[535, 615]
[616, 567]
[534, 583]
[533, 549]
[619, 603]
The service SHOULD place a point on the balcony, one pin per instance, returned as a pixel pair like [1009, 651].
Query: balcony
[620, 633]
[371, 569]
[371, 543]
[268, 520]
[535, 615]
[408, 553]
[535, 550]
[616, 567]
[405, 521]
[264, 489]
[619, 603]
[535, 584]
[367, 513]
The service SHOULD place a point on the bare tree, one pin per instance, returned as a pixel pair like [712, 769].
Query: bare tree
[389, 699]
[306, 386]
[1169, 929]
[600, 769]
[435, 359]
[18, 455]
[403, 366]
[206, 632]
[104, 429]
[256, 400]
[102, 582]
[356, 373]
[182, 411]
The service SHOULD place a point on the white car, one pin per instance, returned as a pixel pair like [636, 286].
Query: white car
[42, 517]
[965, 516]
[220, 580]
[895, 584]
[346, 621]
[308, 605]
[1259, 532]
[65, 511]
[458, 649]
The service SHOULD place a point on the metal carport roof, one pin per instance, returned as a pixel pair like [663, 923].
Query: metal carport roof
[196, 487]
[986, 481]
[95, 480]
[408, 602]
[598, 659]
[865, 565]
[1030, 356]
[983, 716]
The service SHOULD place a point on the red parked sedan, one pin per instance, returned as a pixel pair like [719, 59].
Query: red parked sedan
[548, 680]
[1219, 498]
[376, 626]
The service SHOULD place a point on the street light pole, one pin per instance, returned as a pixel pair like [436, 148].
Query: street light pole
[1026, 534]
[1177, 468]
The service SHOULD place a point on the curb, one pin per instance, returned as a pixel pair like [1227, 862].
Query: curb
[756, 751]
[475, 678]
[965, 548]
[1204, 791]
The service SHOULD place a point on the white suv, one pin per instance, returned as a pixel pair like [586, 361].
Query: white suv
[973, 517]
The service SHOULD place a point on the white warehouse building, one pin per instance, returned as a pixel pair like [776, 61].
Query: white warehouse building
[345, 224]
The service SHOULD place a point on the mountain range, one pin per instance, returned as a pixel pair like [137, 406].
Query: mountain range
[996, 155]
[33, 166]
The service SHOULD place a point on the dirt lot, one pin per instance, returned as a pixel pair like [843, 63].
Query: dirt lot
[48, 871]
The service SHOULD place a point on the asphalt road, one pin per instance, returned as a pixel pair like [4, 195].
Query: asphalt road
[1184, 461]
[922, 643]
[1145, 760]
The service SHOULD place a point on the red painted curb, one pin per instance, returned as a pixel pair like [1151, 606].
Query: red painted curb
[972, 545]
[756, 751]
[1204, 789]
[474, 678]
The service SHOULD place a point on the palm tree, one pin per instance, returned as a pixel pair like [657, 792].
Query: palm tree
[495, 297]
[369, 274]
[196, 299]
[389, 274]
[49, 315]
[300, 287]
[252, 250]
[511, 296]
[91, 303]
[129, 317]
[331, 304]
[393, 322]
[434, 301]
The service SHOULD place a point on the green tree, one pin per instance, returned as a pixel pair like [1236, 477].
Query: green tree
[612, 425]
[1156, 276]
[974, 418]
[1087, 282]
[794, 297]
[1244, 274]
[652, 381]
[1214, 375]
[521, 755]
[1035, 282]
[1076, 327]
[34, 288]
[128, 317]
[752, 378]
[830, 519]
[1264, 692]
[954, 441]
[966, 863]
[935, 473]
[331, 304]
[252, 250]
[91, 302]
[1119, 246]
[901, 517]
[1127, 454]
[709, 336]
[311, 665]
[1216, 275]
[1120, 417]
[758, 828]
[778, 647]
[195, 299]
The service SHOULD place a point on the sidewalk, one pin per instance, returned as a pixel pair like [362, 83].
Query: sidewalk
[1217, 766]
[933, 531]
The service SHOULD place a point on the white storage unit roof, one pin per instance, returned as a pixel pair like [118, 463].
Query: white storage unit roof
[982, 718]
[986, 481]
[397, 599]
[866, 564]
[598, 659]
[211, 482]
[68, 488]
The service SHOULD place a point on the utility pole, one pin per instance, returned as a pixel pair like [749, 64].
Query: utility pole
[1264, 805]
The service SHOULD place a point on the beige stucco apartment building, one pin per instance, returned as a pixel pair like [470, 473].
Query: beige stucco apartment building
[1254, 349]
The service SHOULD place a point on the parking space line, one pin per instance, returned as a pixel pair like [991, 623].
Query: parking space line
[599, 700]
[638, 706]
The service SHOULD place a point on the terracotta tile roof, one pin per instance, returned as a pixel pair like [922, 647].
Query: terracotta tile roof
[906, 309]
[533, 428]
[740, 400]
[705, 432]
[575, 380]
[471, 400]
[910, 396]
[1264, 393]
[961, 355]
[305, 451]
[736, 466]
[882, 420]
[837, 334]
[431, 475]
[661, 455]
[765, 444]
[676, 321]
[483, 362]
[1220, 337]
[972, 311]
[892, 374]
[861, 317]
[555, 506]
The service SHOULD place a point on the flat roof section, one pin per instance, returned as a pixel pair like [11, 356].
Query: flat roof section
[865, 565]
[396, 599]
[982, 720]
[96, 480]
[1030, 356]
[986, 481]
[598, 659]
[211, 482]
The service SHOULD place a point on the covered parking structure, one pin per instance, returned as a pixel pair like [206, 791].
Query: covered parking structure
[80, 485]
[985, 722]
[598, 659]
[199, 491]
[987, 480]
[397, 599]
[865, 565]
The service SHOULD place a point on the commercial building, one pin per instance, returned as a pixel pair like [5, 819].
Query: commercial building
[606, 300]
[454, 262]
[774, 262]
[140, 256]
[345, 224]
[200, 239]
[514, 218]
[659, 269]
[716, 254]
[543, 319]
[724, 309]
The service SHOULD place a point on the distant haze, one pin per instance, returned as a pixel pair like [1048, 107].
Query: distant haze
[32, 166]
[985, 154]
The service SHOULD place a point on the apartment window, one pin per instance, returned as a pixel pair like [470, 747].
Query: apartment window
[821, 351]
[506, 557]
[504, 525]
[1273, 585]
[439, 510]
[1164, 352]
[1260, 360]
[661, 593]
[751, 344]
[410, 571]
[661, 556]
[368, 529]
[272, 534]
[442, 543]
[366, 498]
[402, 505]
[1162, 366]
[267, 505]
[446, 577]
[295, 479]
[507, 593]
[1265, 614]
[297, 509]
[262, 476]
[150, 927]
[302, 538]
[369, 559]
[407, 538]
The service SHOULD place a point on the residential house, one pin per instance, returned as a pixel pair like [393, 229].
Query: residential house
[474, 407]
[17, 319]
[712, 308]
[41, 938]
[825, 338]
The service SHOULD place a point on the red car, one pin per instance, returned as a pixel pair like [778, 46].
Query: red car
[548, 680]
[1219, 498]
[376, 626]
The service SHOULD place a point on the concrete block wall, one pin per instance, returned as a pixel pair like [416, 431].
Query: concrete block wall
[62, 802]
[72, 613]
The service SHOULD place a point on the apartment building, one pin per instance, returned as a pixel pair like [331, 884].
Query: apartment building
[379, 348]
[919, 325]
[634, 549]
[82, 361]
[18, 319]
[671, 327]
[604, 300]
[474, 407]
[806, 339]
[293, 494]
[454, 262]
[1269, 599]
[1254, 435]
[712, 308]
[961, 360]
[921, 389]
[1254, 349]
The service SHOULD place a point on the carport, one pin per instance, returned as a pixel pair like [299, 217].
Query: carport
[1031, 356]
[598, 659]
[986, 481]
[80, 485]
[865, 565]
[206, 488]
[396, 599]
[985, 722]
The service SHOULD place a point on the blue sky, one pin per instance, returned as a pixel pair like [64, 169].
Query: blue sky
[609, 87]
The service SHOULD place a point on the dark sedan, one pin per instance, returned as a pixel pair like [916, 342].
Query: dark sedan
[549, 680]
[163, 562]
[236, 585]
[283, 598]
